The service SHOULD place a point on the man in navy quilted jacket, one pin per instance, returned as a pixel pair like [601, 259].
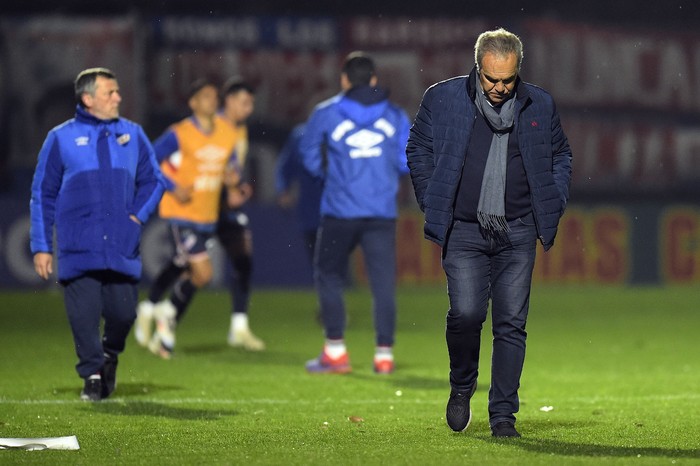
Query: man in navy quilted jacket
[97, 181]
[491, 168]
[355, 144]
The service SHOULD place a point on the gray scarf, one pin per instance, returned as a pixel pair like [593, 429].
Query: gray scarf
[491, 211]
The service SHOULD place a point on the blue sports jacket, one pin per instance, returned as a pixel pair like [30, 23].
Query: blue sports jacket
[355, 142]
[90, 176]
[437, 148]
[289, 170]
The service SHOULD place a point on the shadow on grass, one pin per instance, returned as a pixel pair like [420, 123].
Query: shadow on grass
[126, 389]
[561, 448]
[548, 446]
[210, 348]
[225, 351]
[149, 408]
[401, 380]
[143, 389]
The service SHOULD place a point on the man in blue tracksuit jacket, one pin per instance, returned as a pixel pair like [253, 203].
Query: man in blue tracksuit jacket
[355, 142]
[289, 169]
[97, 181]
[491, 168]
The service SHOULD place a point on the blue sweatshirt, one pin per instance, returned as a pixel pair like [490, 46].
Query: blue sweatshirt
[90, 177]
[290, 169]
[356, 143]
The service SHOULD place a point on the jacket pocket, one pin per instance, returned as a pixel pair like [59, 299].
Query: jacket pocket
[129, 237]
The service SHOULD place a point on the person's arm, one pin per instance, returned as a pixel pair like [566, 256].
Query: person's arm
[167, 149]
[312, 143]
[45, 188]
[403, 132]
[419, 149]
[287, 161]
[288, 166]
[561, 159]
[149, 180]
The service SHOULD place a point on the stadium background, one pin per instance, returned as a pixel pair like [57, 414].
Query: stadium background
[626, 78]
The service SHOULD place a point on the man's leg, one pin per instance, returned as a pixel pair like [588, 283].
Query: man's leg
[165, 280]
[335, 242]
[83, 301]
[467, 267]
[167, 313]
[378, 242]
[333, 248]
[120, 295]
[237, 241]
[168, 275]
[512, 277]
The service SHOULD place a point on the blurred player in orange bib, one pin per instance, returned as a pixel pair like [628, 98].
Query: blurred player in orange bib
[197, 157]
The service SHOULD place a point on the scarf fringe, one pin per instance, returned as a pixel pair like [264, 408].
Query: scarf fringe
[493, 222]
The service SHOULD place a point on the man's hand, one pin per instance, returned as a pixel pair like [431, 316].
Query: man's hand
[183, 194]
[43, 264]
[236, 197]
[285, 199]
[232, 178]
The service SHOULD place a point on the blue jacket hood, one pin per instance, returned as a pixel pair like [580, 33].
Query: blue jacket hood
[364, 104]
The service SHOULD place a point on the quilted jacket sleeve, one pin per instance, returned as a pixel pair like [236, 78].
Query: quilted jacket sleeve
[561, 153]
[419, 150]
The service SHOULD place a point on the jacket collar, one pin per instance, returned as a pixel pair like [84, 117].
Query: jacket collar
[367, 95]
[83, 116]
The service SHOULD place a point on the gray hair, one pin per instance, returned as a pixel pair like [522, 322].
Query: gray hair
[86, 79]
[498, 42]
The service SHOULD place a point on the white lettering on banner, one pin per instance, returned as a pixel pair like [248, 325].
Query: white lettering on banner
[306, 33]
[285, 90]
[403, 32]
[242, 32]
[586, 66]
[625, 154]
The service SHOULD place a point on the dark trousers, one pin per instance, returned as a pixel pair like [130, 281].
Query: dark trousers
[237, 241]
[479, 268]
[337, 238]
[90, 298]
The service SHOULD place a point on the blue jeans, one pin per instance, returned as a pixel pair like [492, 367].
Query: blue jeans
[337, 238]
[88, 299]
[479, 268]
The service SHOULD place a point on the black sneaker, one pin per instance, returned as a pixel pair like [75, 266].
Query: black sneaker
[109, 375]
[92, 390]
[459, 414]
[504, 429]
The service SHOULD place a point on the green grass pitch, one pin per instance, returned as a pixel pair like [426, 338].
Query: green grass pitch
[619, 366]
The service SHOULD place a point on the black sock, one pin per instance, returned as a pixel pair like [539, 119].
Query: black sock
[164, 281]
[183, 292]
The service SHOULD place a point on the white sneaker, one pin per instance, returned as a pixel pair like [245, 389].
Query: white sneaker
[244, 338]
[144, 323]
[163, 341]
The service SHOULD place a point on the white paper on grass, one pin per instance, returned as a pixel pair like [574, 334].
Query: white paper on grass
[44, 443]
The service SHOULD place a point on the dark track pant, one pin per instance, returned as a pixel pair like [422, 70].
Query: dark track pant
[238, 243]
[337, 238]
[90, 298]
